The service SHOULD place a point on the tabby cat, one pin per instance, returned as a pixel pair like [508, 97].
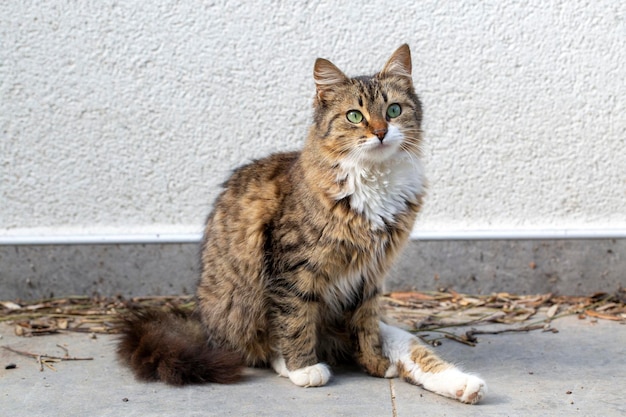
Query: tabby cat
[296, 248]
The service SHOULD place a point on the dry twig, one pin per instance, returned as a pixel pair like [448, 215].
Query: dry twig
[435, 312]
[419, 311]
[46, 360]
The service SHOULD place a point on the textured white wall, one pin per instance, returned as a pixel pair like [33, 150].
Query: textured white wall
[124, 117]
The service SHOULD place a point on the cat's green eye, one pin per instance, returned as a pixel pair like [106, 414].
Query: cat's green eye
[354, 116]
[394, 110]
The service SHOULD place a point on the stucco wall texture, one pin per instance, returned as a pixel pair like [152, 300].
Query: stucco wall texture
[124, 117]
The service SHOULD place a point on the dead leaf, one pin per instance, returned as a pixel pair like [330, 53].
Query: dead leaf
[607, 306]
[552, 311]
[412, 295]
[603, 316]
[11, 305]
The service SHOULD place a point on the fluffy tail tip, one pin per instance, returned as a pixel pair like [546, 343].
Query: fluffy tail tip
[172, 347]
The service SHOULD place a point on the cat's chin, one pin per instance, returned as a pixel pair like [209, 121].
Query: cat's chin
[382, 152]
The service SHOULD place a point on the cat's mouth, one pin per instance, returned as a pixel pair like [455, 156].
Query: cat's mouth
[384, 144]
[381, 151]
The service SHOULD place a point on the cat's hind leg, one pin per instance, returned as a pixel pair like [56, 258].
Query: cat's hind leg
[419, 365]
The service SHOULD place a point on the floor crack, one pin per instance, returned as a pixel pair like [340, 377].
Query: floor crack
[392, 389]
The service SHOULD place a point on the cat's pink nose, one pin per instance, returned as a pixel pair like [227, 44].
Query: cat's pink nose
[380, 133]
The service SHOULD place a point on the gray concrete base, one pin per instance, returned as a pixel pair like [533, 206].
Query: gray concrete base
[565, 267]
[568, 267]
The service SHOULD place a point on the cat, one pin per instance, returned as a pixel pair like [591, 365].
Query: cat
[296, 248]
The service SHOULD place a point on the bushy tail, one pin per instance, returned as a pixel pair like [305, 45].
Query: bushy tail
[172, 347]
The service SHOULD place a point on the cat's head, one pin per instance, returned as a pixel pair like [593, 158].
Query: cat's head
[367, 119]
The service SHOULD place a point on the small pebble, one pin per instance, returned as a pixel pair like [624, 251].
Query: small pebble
[10, 366]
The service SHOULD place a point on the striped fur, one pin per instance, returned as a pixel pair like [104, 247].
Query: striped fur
[297, 244]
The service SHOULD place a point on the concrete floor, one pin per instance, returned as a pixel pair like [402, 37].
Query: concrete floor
[581, 370]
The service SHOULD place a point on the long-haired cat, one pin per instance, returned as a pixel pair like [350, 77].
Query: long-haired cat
[296, 249]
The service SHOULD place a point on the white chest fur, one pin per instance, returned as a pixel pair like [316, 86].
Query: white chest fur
[380, 191]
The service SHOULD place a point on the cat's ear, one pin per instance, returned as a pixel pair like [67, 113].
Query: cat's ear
[400, 63]
[327, 76]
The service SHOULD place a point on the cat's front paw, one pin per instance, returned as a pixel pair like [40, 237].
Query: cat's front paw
[456, 384]
[311, 376]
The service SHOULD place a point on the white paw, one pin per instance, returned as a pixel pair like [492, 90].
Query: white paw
[453, 383]
[311, 376]
[474, 391]
[392, 371]
[279, 365]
